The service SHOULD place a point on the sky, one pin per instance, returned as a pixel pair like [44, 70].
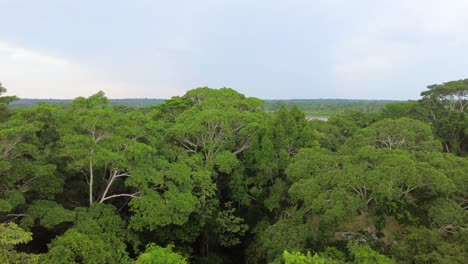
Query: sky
[360, 49]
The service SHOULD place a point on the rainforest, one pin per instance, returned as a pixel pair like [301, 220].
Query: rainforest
[214, 176]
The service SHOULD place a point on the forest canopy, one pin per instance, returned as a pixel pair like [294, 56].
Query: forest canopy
[211, 177]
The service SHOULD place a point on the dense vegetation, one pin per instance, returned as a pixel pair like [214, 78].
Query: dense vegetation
[209, 177]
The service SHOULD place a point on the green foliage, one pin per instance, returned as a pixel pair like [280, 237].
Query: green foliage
[100, 218]
[329, 136]
[11, 200]
[221, 181]
[454, 94]
[74, 246]
[363, 254]
[230, 227]
[98, 236]
[399, 110]
[277, 195]
[156, 254]
[298, 258]
[448, 216]
[360, 254]
[167, 198]
[351, 122]
[24, 163]
[4, 102]
[402, 133]
[423, 245]
[288, 233]
[49, 213]
[10, 236]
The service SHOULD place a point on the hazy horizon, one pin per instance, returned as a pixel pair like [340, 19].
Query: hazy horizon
[385, 50]
[266, 99]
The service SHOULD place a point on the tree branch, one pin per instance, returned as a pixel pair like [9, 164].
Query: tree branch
[132, 195]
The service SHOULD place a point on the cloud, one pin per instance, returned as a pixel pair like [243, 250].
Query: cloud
[31, 74]
[398, 46]
[20, 55]
[283, 49]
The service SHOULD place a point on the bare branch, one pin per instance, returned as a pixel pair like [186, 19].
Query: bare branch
[242, 148]
[7, 150]
[114, 175]
[132, 195]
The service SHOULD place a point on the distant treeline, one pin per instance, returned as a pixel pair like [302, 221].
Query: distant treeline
[327, 107]
[27, 103]
[314, 107]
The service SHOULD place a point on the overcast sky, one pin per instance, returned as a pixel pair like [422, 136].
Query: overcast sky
[263, 48]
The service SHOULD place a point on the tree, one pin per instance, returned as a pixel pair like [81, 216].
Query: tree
[218, 120]
[23, 162]
[230, 228]
[212, 132]
[208, 177]
[277, 141]
[363, 254]
[298, 258]
[423, 245]
[447, 104]
[349, 193]
[349, 123]
[288, 233]
[449, 216]
[49, 213]
[399, 110]
[453, 94]
[116, 152]
[166, 196]
[10, 236]
[403, 133]
[157, 254]
[360, 254]
[454, 169]
[330, 136]
[4, 102]
[91, 139]
[97, 236]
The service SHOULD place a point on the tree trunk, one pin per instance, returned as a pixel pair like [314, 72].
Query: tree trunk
[91, 176]
[204, 244]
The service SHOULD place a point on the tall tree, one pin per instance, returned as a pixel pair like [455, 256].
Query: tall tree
[4, 102]
[447, 107]
[117, 155]
[212, 130]
[453, 94]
